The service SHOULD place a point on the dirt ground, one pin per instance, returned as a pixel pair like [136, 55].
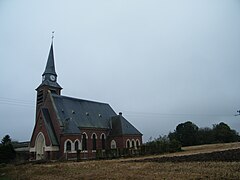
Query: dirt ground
[131, 169]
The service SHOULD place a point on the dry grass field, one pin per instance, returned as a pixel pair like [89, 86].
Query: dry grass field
[132, 168]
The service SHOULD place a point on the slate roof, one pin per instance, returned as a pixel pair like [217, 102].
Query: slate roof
[75, 114]
[78, 113]
[50, 67]
[49, 83]
[49, 126]
[120, 126]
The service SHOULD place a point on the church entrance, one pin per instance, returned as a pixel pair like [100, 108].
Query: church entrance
[40, 145]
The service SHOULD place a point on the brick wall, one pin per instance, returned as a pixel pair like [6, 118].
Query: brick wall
[40, 127]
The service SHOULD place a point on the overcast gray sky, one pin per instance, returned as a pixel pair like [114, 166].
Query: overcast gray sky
[160, 62]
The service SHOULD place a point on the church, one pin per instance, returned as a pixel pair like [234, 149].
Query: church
[70, 127]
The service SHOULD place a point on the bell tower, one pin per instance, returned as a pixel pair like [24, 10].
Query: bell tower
[49, 80]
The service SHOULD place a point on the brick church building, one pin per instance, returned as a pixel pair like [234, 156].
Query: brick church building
[67, 127]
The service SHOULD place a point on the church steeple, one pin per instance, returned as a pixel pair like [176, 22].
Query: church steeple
[50, 67]
[49, 80]
[49, 76]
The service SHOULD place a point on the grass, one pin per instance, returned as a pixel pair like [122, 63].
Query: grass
[125, 169]
[212, 147]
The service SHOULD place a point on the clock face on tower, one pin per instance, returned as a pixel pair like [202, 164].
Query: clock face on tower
[52, 78]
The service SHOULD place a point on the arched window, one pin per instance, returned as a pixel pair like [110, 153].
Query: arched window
[113, 144]
[84, 142]
[128, 143]
[94, 142]
[133, 143]
[137, 143]
[76, 146]
[103, 141]
[40, 145]
[68, 146]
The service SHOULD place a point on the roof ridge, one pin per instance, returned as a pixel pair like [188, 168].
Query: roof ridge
[73, 98]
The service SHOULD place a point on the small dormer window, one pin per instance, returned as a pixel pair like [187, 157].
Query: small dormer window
[87, 114]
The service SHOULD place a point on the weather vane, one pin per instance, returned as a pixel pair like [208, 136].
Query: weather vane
[52, 35]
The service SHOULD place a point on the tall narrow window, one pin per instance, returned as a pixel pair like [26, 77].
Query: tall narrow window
[76, 146]
[103, 141]
[137, 143]
[84, 142]
[94, 142]
[128, 143]
[40, 97]
[68, 146]
[133, 143]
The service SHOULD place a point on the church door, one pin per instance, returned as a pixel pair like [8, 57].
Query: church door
[40, 145]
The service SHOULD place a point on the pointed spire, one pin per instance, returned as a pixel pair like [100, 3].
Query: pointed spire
[50, 67]
[49, 76]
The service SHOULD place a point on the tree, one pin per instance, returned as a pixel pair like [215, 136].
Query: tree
[224, 134]
[6, 140]
[7, 152]
[189, 134]
[205, 136]
[186, 133]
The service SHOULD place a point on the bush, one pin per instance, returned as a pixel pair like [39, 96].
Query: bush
[162, 145]
[7, 153]
[174, 146]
